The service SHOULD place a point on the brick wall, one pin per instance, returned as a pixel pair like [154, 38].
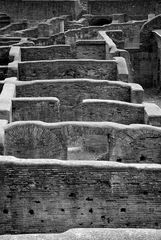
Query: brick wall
[41, 109]
[130, 7]
[110, 141]
[59, 69]
[45, 53]
[112, 111]
[38, 10]
[91, 50]
[55, 196]
[72, 92]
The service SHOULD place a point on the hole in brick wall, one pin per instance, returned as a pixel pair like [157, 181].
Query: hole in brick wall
[80, 224]
[106, 182]
[62, 209]
[142, 158]
[37, 201]
[89, 199]
[104, 218]
[156, 224]
[91, 210]
[91, 223]
[145, 192]
[31, 211]
[100, 21]
[123, 210]
[42, 221]
[119, 160]
[72, 195]
[122, 197]
[127, 224]
[5, 211]
[82, 213]
[9, 196]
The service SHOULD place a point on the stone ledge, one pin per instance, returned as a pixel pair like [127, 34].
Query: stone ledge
[90, 42]
[123, 73]
[90, 234]
[152, 114]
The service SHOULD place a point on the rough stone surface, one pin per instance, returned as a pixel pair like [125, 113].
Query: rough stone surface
[140, 144]
[42, 109]
[13, 27]
[72, 92]
[103, 7]
[34, 10]
[58, 69]
[55, 196]
[131, 32]
[117, 37]
[91, 50]
[32, 140]
[110, 141]
[112, 111]
[45, 53]
[146, 30]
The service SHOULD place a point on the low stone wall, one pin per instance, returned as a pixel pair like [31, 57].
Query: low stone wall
[55, 196]
[99, 234]
[35, 10]
[58, 38]
[35, 141]
[127, 6]
[7, 41]
[112, 111]
[43, 29]
[121, 112]
[91, 49]
[31, 32]
[45, 53]
[13, 27]
[42, 109]
[59, 69]
[111, 141]
[131, 31]
[72, 92]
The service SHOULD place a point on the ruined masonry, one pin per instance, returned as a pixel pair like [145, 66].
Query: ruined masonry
[80, 142]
